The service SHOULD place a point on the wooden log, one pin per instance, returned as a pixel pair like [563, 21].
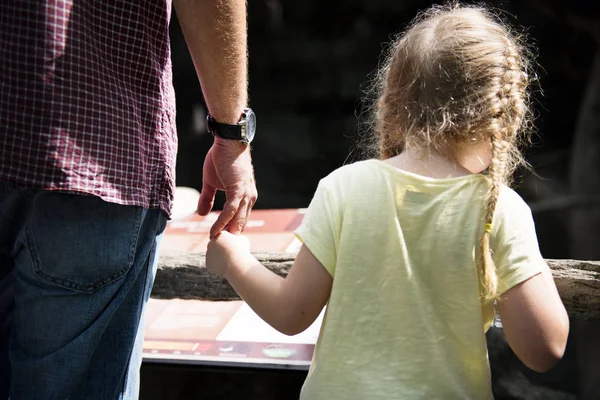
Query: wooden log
[183, 275]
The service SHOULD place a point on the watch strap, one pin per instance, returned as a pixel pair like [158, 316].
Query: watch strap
[225, 131]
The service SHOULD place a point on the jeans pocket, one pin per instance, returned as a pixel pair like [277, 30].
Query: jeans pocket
[81, 243]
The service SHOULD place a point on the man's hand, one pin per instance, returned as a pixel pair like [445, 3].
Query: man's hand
[228, 167]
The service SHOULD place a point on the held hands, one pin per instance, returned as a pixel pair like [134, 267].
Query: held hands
[225, 251]
[228, 167]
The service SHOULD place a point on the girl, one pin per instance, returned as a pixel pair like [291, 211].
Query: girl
[410, 252]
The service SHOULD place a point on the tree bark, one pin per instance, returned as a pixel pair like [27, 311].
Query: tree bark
[183, 275]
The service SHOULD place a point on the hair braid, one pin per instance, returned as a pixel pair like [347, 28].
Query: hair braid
[509, 108]
[488, 277]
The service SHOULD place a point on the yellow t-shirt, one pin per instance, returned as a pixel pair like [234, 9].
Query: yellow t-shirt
[404, 320]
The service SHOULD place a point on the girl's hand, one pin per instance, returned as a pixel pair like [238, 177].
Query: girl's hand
[226, 251]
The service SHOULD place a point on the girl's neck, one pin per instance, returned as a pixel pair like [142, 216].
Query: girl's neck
[428, 163]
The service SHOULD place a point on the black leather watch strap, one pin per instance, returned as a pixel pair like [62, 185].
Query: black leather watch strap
[226, 131]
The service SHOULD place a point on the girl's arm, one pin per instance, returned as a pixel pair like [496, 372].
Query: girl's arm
[535, 322]
[289, 304]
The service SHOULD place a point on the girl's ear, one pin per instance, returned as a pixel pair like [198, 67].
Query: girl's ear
[475, 155]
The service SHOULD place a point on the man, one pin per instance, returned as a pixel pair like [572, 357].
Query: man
[87, 163]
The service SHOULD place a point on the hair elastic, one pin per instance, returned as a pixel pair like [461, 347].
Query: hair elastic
[488, 228]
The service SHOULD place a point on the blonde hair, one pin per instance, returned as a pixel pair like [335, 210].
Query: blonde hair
[456, 76]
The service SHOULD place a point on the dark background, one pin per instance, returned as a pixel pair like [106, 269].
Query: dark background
[309, 63]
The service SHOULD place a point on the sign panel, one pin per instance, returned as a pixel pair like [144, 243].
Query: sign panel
[226, 333]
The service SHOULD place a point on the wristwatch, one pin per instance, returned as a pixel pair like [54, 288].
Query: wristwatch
[243, 131]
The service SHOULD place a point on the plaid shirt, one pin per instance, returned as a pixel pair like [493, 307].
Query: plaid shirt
[86, 99]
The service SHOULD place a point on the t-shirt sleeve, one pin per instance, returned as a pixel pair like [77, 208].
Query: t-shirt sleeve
[320, 228]
[514, 243]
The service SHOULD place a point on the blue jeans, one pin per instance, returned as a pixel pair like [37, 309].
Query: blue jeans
[80, 271]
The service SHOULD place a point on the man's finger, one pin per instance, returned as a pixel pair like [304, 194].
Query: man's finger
[206, 200]
[249, 211]
[238, 222]
[248, 215]
[230, 209]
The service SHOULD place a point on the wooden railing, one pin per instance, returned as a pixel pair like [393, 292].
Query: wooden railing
[182, 275]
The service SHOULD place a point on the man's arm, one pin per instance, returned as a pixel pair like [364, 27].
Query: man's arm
[216, 35]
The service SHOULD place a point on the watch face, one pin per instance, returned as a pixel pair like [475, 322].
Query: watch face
[250, 124]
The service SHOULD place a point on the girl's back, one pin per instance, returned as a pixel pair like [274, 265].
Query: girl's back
[404, 318]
